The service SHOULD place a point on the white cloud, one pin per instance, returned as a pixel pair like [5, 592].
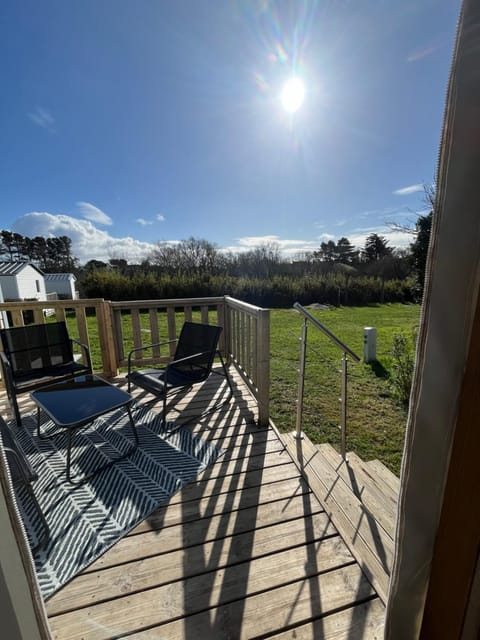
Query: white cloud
[42, 118]
[250, 242]
[398, 239]
[287, 247]
[144, 222]
[406, 191]
[420, 54]
[381, 213]
[88, 242]
[93, 213]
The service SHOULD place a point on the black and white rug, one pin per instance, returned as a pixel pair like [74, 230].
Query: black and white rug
[86, 520]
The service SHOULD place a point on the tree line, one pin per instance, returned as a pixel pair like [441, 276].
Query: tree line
[335, 273]
[51, 255]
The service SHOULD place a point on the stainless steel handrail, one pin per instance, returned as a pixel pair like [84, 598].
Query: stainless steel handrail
[326, 331]
[307, 316]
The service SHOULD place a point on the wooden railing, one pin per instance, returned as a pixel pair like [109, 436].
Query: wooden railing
[112, 329]
[247, 330]
[149, 321]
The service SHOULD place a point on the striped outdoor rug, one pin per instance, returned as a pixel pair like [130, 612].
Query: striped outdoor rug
[86, 520]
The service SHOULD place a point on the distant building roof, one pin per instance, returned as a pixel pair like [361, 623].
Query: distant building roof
[14, 268]
[56, 277]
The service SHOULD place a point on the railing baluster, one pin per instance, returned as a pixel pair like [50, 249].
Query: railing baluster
[154, 332]
[301, 379]
[344, 406]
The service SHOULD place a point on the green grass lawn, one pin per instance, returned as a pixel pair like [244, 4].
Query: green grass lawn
[376, 422]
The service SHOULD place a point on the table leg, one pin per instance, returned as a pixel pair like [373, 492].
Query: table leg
[38, 427]
[107, 464]
[69, 457]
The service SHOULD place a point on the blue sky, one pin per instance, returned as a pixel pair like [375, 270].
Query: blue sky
[125, 123]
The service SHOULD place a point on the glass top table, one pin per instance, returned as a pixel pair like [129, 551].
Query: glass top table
[76, 402]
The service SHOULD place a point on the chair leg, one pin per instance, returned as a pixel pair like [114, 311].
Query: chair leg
[12, 396]
[11, 393]
[164, 412]
[215, 407]
[229, 382]
[132, 424]
[16, 411]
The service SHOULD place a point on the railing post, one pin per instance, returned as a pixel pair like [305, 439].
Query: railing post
[301, 379]
[107, 339]
[223, 321]
[263, 366]
[343, 426]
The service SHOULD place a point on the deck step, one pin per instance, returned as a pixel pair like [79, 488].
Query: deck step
[374, 474]
[389, 478]
[330, 480]
[365, 621]
[377, 498]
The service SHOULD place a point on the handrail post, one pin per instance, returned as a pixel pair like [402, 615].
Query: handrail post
[301, 379]
[346, 351]
[343, 426]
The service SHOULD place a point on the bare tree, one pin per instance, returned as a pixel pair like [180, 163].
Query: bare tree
[194, 255]
[429, 195]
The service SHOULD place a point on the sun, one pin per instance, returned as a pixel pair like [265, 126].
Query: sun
[293, 94]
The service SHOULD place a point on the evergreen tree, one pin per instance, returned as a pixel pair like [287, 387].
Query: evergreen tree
[376, 248]
[419, 249]
[346, 252]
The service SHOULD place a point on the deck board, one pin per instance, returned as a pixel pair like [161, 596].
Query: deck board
[246, 550]
[166, 565]
[166, 538]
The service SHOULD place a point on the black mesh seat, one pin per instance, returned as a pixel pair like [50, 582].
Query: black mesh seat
[35, 354]
[196, 350]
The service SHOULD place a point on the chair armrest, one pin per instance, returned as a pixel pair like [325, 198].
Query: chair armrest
[86, 352]
[147, 346]
[188, 358]
[27, 472]
[7, 372]
[5, 360]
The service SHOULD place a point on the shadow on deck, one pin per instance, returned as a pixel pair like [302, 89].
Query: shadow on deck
[244, 551]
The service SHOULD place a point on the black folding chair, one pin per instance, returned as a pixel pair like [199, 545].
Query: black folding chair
[35, 354]
[196, 350]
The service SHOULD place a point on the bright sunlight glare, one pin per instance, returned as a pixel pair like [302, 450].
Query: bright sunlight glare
[293, 95]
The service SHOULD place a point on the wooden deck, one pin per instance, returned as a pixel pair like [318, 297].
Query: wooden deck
[245, 551]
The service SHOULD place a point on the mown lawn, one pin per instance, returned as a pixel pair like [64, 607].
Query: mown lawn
[376, 421]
